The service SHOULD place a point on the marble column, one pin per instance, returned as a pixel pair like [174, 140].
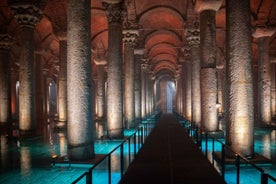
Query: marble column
[137, 86]
[27, 16]
[264, 75]
[14, 101]
[208, 74]
[62, 83]
[273, 90]
[114, 92]
[193, 38]
[129, 40]
[240, 110]
[144, 67]
[188, 91]
[80, 126]
[5, 112]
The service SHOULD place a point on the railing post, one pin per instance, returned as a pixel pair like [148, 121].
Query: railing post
[213, 149]
[89, 177]
[223, 160]
[206, 144]
[142, 136]
[109, 169]
[122, 159]
[134, 142]
[264, 178]
[129, 151]
[238, 168]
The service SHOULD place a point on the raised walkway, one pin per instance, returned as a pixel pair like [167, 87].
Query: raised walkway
[169, 156]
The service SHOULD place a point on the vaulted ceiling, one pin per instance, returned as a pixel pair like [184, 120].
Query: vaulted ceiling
[162, 25]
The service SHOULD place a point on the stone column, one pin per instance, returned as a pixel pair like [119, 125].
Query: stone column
[188, 91]
[193, 38]
[114, 73]
[143, 88]
[80, 125]
[137, 86]
[129, 99]
[5, 112]
[27, 16]
[273, 90]
[100, 91]
[62, 84]
[240, 114]
[208, 73]
[264, 75]
[14, 102]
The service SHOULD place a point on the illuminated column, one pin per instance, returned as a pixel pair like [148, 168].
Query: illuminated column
[129, 102]
[5, 41]
[143, 88]
[193, 38]
[114, 73]
[240, 114]
[264, 75]
[137, 85]
[80, 126]
[27, 16]
[208, 73]
[100, 91]
[62, 84]
[188, 91]
[273, 89]
[13, 82]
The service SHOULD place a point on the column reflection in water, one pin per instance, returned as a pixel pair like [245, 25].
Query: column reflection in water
[25, 161]
[62, 143]
[4, 150]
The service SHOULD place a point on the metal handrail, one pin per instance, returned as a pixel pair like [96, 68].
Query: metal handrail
[141, 131]
[193, 132]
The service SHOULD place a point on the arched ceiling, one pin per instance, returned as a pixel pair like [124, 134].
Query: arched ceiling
[162, 27]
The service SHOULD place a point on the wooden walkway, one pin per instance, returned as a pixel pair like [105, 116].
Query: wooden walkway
[169, 156]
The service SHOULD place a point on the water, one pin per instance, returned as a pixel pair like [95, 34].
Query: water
[30, 161]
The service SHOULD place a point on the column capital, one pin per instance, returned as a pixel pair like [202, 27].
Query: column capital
[263, 32]
[202, 5]
[26, 13]
[130, 36]
[6, 41]
[113, 10]
[193, 37]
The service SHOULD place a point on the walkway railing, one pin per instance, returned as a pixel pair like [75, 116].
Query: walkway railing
[198, 136]
[138, 139]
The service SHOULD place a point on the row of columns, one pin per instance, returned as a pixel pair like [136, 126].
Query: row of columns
[75, 86]
[203, 100]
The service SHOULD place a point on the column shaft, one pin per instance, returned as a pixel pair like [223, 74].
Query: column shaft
[264, 82]
[143, 92]
[129, 107]
[26, 80]
[100, 92]
[240, 115]
[114, 73]
[188, 91]
[62, 83]
[4, 85]
[208, 76]
[137, 88]
[273, 89]
[79, 81]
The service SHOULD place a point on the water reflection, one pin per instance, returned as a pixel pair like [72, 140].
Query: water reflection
[25, 161]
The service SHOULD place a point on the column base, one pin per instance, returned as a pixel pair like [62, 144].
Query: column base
[84, 151]
[216, 134]
[115, 134]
